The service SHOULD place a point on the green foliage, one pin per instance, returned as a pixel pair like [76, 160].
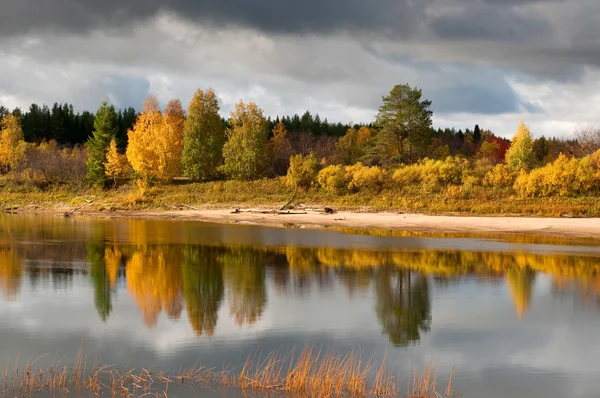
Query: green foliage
[203, 137]
[404, 120]
[361, 177]
[563, 177]
[332, 179]
[245, 152]
[303, 171]
[520, 153]
[105, 129]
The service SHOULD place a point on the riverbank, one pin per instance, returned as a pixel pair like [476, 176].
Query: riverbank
[566, 227]
[482, 211]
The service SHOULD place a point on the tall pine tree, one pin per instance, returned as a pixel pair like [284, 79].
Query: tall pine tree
[105, 130]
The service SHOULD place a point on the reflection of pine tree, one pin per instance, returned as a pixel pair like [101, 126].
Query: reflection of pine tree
[520, 282]
[100, 279]
[244, 271]
[403, 306]
[202, 288]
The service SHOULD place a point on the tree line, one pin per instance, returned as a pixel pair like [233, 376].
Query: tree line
[399, 147]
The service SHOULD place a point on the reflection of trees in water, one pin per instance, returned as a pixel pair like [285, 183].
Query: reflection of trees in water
[203, 288]
[402, 304]
[244, 274]
[100, 279]
[520, 283]
[11, 272]
[154, 279]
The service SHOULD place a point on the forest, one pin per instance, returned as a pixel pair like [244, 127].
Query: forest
[136, 159]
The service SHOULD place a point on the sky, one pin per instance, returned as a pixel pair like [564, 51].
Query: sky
[490, 62]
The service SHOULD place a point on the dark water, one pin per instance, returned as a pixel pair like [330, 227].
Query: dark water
[518, 316]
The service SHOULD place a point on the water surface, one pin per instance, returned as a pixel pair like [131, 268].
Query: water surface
[518, 316]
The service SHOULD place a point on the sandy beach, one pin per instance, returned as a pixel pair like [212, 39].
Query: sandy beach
[570, 227]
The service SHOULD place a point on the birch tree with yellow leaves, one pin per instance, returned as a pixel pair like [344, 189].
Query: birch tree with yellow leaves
[156, 140]
[12, 145]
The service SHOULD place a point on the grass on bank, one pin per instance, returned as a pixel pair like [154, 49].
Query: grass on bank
[476, 200]
[312, 373]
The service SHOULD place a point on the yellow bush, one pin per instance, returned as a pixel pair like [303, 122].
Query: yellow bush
[501, 176]
[332, 178]
[563, 177]
[407, 175]
[303, 171]
[433, 174]
[361, 177]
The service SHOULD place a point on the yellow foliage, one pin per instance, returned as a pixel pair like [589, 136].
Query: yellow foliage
[11, 272]
[303, 171]
[563, 177]
[501, 176]
[156, 140]
[433, 174]
[11, 142]
[361, 177]
[116, 165]
[332, 178]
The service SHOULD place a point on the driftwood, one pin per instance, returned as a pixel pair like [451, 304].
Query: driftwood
[190, 207]
[256, 211]
[289, 202]
[70, 213]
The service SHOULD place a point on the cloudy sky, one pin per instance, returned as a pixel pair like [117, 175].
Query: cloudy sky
[492, 62]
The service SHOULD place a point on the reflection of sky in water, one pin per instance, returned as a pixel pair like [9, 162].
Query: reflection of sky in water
[552, 351]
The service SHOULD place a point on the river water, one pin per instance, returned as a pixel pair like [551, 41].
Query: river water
[516, 315]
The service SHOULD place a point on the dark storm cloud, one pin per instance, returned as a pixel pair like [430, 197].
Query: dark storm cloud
[315, 16]
[483, 22]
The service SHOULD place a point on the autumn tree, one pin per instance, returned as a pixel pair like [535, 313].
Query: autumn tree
[279, 150]
[169, 141]
[11, 142]
[245, 152]
[353, 146]
[404, 120]
[203, 137]
[105, 130]
[520, 153]
[140, 153]
[156, 141]
[116, 165]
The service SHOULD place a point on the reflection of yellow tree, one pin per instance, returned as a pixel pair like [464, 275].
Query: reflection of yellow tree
[154, 279]
[520, 283]
[244, 273]
[202, 288]
[112, 257]
[11, 272]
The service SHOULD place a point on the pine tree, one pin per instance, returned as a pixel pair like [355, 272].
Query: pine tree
[404, 120]
[245, 153]
[476, 134]
[105, 129]
[203, 137]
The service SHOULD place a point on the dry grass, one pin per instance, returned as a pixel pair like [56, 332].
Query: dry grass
[312, 373]
[226, 194]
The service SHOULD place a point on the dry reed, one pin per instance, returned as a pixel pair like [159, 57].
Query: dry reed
[312, 373]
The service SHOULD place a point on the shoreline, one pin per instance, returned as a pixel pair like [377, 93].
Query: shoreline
[411, 222]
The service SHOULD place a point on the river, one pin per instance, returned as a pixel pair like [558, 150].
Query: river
[515, 315]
